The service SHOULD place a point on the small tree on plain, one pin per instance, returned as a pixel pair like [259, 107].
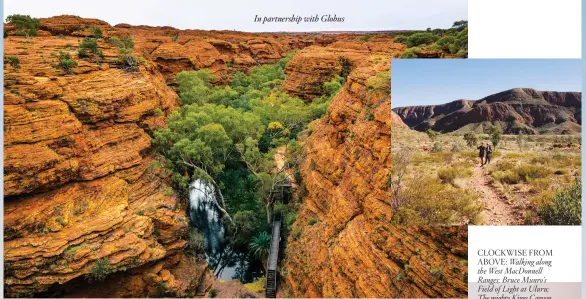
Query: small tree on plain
[495, 132]
[471, 139]
[432, 134]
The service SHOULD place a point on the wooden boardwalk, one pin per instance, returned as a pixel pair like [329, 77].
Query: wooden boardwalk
[271, 286]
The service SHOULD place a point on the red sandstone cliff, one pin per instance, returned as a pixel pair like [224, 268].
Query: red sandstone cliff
[353, 250]
[79, 183]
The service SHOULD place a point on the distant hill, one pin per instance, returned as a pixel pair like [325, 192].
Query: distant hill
[396, 120]
[518, 110]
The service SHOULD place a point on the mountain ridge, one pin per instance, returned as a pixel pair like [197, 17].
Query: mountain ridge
[516, 110]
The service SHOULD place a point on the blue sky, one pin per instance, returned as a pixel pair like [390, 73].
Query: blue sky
[239, 15]
[438, 81]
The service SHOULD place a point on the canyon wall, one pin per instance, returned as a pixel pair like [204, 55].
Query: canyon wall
[342, 243]
[82, 187]
[517, 110]
[80, 183]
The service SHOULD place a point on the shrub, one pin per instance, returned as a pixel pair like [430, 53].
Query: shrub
[366, 37]
[65, 62]
[280, 207]
[97, 32]
[168, 191]
[521, 141]
[13, 61]
[507, 176]
[432, 134]
[24, 24]
[539, 185]
[297, 175]
[446, 42]
[100, 270]
[565, 207]
[411, 53]
[175, 37]
[437, 147]
[422, 38]
[126, 60]
[426, 201]
[213, 293]
[401, 39]
[260, 245]
[89, 47]
[450, 174]
[401, 275]
[60, 220]
[530, 171]
[158, 112]
[115, 41]
[130, 63]
[311, 222]
[195, 241]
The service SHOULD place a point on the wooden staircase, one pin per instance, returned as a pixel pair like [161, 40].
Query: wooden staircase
[271, 287]
[276, 252]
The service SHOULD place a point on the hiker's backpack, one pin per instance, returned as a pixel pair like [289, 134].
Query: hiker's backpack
[489, 149]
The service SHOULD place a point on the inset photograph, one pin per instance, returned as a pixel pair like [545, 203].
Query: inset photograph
[486, 142]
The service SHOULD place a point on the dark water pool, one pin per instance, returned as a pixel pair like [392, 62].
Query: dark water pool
[226, 262]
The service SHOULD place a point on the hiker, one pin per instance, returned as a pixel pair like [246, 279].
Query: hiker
[488, 153]
[482, 153]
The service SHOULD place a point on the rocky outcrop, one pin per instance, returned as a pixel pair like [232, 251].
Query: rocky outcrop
[517, 110]
[396, 120]
[84, 194]
[175, 276]
[313, 66]
[173, 58]
[343, 238]
[79, 181]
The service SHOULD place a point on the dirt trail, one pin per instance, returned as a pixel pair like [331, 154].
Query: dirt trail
[498, 211]
[280, 163]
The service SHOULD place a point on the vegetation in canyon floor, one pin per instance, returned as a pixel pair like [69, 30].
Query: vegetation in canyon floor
[232, 136]
[532, 179]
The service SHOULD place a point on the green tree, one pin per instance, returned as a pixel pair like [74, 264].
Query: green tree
[24, 24]
[471, 139]
[449, 44]
[195, 87]
[247, 224]
[495, 132]
[460, 25]
[97, 32]
[422, 38]
[200, 140]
